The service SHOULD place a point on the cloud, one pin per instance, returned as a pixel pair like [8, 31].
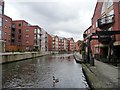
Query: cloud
[62, 17]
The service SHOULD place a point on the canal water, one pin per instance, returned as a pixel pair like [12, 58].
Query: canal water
[39, 72]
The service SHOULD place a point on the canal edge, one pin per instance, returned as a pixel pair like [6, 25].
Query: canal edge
[93, 80]
[10, 58]
[86, 76]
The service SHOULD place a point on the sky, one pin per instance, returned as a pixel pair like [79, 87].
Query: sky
[65, 18]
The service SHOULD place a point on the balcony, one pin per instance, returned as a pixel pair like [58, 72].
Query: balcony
[12, 38]
[13, 26]
[36, 45]
[104, 39]
[106, 22]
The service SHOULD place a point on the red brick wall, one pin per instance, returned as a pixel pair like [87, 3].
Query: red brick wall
[12, 48]
[17, 27]
[96, 16]
[49, 42]
[71, 46]
[116, 25]
[7, 27]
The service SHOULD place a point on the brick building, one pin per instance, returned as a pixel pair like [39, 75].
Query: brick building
[44, 41]
[106, 17]
[2, 42]
[55, 43]
[50, 42]
[61, 44]
[21, 36]
[7, 31]
[77, 47]
[71, 44]
[66, 42]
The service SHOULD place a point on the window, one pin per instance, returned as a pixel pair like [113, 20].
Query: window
[27, 35]
[27, 47]
[27, 41]
[27, 30]
[19, 43]
[35, 30]
[19, 24]
[5, 27]
[13, 25]
[6, 20]
[96, 24]
[111, 12]
[53, 38]
[103, 8]
[38, 30]
[35, 36]
[110, 3]
[19, 37]
[19, 31]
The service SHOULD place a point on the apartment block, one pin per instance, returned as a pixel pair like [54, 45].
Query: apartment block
[55, 43]
[66, 44]
[7, 28]
[61, 44]
[71, 44]
[21, 36]
[106, 17]
[44, 41]
[50, 42]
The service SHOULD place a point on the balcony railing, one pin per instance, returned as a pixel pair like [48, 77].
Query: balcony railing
[105, 39]
[106, 22]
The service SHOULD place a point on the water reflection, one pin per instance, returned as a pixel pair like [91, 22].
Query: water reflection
[39, 72]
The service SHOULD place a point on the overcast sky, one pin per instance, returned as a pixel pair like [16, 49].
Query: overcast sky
[65, 18]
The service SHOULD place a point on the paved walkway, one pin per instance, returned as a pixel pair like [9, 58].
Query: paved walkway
[102, 75]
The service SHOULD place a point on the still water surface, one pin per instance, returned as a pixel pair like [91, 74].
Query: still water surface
[39, 72]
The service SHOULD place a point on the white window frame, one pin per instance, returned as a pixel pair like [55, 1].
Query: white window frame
[27, 35]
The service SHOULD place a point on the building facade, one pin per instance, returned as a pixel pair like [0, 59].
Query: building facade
[77, 47]
[44, 41]
[55, 43]
[2, 42]
[61, 44]
[21, 36]
[106, 17]
[71, 44]
[50, 41]
[66, 42]
[7, 31]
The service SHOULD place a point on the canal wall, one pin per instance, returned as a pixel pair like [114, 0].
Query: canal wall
[101, 76]
[17, 56]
